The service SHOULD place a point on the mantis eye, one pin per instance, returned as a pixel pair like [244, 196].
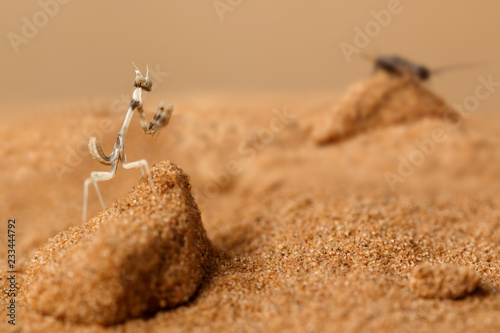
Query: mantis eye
[147, 85]
[138, 82]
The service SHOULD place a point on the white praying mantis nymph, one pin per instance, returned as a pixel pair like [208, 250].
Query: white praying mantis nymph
[159, 120]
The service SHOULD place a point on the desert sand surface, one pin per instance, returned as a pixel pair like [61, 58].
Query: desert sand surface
[393, 227]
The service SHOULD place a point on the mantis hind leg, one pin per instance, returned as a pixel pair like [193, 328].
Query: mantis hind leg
[143, 165]
[95, 177]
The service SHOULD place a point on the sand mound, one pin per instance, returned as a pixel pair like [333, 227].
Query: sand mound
[314, 238]
[443, 281]
[145, 253]
[378, 101]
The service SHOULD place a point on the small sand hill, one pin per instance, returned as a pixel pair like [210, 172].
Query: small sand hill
[443, 281]
[148, 251]
[379, 101]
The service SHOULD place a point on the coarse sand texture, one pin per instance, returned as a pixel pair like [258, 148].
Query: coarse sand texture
[145, 253]
[305, 237]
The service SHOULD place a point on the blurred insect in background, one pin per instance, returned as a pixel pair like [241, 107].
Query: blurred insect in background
[399, 66]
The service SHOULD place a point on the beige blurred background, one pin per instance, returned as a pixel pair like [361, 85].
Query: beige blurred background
[247, 48]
